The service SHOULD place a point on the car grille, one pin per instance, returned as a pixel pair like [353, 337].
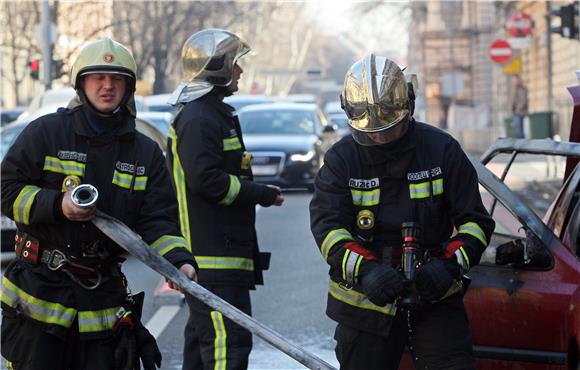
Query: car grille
[268, 163]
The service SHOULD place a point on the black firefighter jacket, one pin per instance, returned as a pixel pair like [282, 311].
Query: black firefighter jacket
[128, 170]
[424, 177]
[213, 180]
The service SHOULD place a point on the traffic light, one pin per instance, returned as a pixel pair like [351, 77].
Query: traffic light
[56, 70]
[568, 15]
[34, 68]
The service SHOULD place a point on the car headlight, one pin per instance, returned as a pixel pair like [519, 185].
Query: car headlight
[302, 157]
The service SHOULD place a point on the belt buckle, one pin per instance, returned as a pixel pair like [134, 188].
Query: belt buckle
[56, 259]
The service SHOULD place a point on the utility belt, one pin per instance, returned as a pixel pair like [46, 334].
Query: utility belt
[91, 267]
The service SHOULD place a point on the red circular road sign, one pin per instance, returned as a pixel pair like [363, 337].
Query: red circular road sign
[519, 24]
[500, 51]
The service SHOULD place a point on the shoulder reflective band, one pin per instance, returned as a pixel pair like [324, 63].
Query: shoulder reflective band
[474, 230]
[233, 191]
[357, 299]
[365, 197]
[332, 238]
[95, 321]
[167, 243]
[350, 265]
[225, 263]
[423, 189]
[220, 347]
[180, 188]
[23, 204]
[36, 308]
[125, 180]
[232, 143]
[53, 164]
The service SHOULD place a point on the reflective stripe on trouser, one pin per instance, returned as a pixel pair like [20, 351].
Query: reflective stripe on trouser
[212, 341]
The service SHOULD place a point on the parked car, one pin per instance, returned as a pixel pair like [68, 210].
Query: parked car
[59, 97]
[341, 122]
[241, 101]
[161, 120]
[288, 142]
[158, 103]
[9, 134]
[10, 115]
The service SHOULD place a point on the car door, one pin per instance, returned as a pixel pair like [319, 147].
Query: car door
[522, 315]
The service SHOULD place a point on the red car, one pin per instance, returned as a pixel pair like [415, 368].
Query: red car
[523, 302]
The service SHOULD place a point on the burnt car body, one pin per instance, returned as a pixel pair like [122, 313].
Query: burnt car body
[288, 142]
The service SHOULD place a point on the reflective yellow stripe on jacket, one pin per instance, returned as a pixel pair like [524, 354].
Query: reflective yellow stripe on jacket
[124, 180]
[365, 197]
[36, 308]
[100, 320]
[233, 191]
[473, 229]
[232, 143]
[180, 188]
[332, 238]
[166, 243]
[225, 263]
[357, 299]
[23, 204]
[423, 189]
[54, 164]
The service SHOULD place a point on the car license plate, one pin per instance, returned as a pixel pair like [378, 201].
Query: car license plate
[7, 224]
[266, 170]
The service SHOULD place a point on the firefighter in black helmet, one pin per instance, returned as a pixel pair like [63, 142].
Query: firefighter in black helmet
[213, 179]
[65, 301]
[393, 172]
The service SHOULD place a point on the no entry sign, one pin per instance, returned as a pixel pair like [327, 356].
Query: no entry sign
[500, 51]
[519, 24]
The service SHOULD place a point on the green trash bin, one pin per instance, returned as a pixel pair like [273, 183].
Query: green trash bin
[509, 129]
[540, 125]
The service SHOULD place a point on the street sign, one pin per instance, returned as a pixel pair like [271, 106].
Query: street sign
[514, 67]
[518, 43]
[500, 51]
[519, 24]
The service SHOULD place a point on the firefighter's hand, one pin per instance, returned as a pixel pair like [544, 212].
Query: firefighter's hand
[279, 198]
[381, 283]
[75, 213]
[435, 279]
[189, 271]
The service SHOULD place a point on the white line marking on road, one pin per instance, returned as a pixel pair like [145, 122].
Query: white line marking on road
[161, 319]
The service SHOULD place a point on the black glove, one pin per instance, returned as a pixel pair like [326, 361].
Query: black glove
[268, 196]
[381, 283]
[435, 279]
[146, 347]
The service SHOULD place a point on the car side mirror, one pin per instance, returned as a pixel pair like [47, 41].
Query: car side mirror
[524, 253]
[329, 128]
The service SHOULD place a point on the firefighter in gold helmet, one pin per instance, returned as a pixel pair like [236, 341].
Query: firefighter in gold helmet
[65, 303]
[387, 201]
[212, 175]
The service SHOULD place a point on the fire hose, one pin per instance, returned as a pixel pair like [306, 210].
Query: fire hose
[132, 243]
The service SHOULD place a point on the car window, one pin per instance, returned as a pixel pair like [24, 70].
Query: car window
[278, 122]
[9, 135]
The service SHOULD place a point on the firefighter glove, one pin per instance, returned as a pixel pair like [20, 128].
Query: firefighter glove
[381, 283]
[147, 347]
[435, 278]
[268, 196]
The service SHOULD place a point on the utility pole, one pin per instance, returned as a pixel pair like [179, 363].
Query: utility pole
[549, 52]
[47, 44]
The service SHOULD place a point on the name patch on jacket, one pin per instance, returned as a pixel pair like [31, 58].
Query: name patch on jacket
[130, 168]
[363, 183]
[72, 156]
[414, 176]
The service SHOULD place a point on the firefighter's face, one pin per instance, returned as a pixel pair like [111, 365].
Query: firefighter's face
[233, 86]
[105, 91]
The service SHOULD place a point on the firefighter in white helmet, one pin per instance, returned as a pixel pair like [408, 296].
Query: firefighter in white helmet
[65, 302]
[386, 203]
[212, 175]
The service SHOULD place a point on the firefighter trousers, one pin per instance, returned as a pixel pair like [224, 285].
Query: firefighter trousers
[441, 340]
[213, 341]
